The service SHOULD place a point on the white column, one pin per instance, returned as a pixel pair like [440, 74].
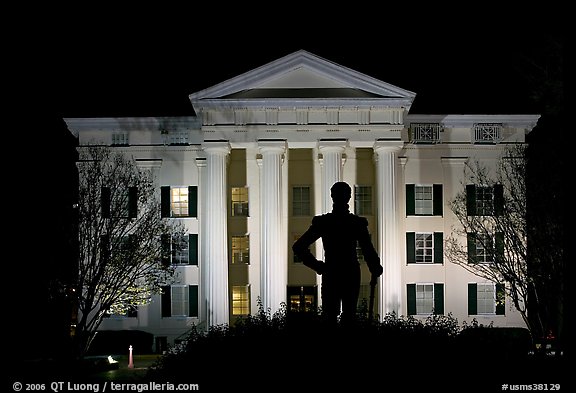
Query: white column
[274, 263]
[388, 227]
[332, 167]
[215, 236]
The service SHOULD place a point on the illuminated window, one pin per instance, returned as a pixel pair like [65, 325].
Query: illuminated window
[363, 200]
[241, 249]
[486, 299]
[179, 201]
[301, 298]
[241, 300]
[301, 201]
[179, 301]
[240, 201]
[425, 299]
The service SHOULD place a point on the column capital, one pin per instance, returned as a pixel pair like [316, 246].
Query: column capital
[272, 146]
[216, 147]
[390, 146]
[335, 145]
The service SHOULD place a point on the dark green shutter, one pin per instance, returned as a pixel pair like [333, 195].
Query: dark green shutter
[470, 199]
[165, 201]
[438, 247]
[437, 200]
[439, 299]
[193, 249]
[105, 201]
[132, 202]
[498, 199]
[193, 300]
[193, 201]
[471, 240]
[165, 244]
[166, 300]
[500, 300]
[472, 299]
[410, 247]
[499, 247]
[411, 298]
[410, 200]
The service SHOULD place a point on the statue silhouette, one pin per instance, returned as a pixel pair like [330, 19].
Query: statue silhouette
[340, 231]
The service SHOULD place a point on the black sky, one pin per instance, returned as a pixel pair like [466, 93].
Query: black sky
[110, 68]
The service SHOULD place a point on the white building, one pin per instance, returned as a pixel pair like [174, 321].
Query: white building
[256, 165]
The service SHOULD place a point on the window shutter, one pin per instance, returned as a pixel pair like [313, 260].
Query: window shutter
[193, 249]
[438, 247]
[132, 202]
[411, 298]
[165, 257]
[472, 299]
[471, 240]
[498, 199]
[193, 300]
[438, 201]
[104, 248]
[105, 201]
[470, 199]
[410, 247]
[410, 200]
[500, 300]
[499, 240]
[439, 299]
[166, 302]
[193, 201]
[165, 201]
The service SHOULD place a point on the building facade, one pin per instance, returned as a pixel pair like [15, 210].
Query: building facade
[250, 170]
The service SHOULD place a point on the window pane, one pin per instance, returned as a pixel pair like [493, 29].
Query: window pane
[423, 200]
[486, 299]
[179, 301]
[179, 201]
[424, 247]
[484, 201]
[241, 249]
[240, 300]
[240, 201]
[180, 250]
[363, 200]
[301, 201]
[424, 298]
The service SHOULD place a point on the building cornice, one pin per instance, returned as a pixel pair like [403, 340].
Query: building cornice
[76, 125]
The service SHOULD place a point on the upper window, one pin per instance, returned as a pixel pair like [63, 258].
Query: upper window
[301, 201]
[240, 201]
[179, 201]
[363, 200]
[484, 200]
[424, 200]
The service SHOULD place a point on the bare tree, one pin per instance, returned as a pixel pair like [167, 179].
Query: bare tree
[492, 213]
[120, 232]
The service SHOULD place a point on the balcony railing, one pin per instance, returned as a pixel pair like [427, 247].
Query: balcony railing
[425, 133]
[487, 133]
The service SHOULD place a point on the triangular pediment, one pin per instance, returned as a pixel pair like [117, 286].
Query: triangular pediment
[303, 76]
